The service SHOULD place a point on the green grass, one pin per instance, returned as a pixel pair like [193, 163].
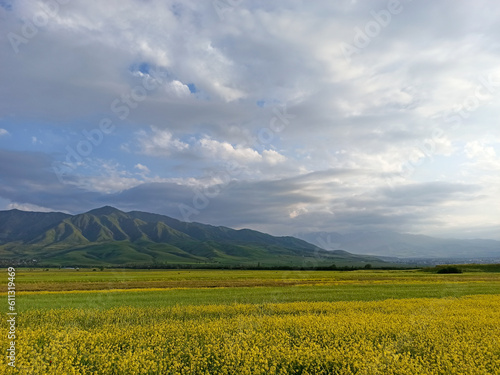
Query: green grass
[204, 296]
[56, 276]
[201, 287]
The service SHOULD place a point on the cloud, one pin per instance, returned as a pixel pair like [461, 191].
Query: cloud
[142, 168]
[225, 151]
[327, 200]
[261, 106]
[159, 142]
[28, 207]
[273, 157]
[27, 178]
[481, 151]
[428, 194]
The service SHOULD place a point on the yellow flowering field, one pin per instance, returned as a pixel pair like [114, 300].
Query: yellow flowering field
[400, 336]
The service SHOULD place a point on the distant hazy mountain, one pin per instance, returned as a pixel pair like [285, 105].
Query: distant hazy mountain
[107, 236]
[403, 245]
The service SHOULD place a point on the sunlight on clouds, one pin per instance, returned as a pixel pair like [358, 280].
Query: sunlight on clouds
[225, 151]
[272, 157]
[159, 142]
[28, 207]
[178, 89]
[142, 168]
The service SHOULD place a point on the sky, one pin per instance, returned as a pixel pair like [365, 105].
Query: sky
[282, 116]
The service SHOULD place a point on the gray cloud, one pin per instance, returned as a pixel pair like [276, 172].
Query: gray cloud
[429, 194]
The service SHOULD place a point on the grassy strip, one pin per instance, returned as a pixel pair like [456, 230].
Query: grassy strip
[209, 296]
[129, 279]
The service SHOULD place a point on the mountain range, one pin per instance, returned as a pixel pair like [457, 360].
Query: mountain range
[403, 245]
[109, 237]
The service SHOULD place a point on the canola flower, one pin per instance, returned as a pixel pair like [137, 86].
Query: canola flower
[405, 336]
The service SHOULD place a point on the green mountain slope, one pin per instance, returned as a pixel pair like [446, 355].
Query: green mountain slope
[107, 236]
[21, 225]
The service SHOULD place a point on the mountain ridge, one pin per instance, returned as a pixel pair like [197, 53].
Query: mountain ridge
[404, 245]
[107, 236]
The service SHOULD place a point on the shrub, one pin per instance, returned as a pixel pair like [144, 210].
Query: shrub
[449, 269]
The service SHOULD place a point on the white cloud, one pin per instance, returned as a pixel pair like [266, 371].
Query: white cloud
[3, 132]
[480, 151]
[28, 207]
[142, 168]
[159, 142]
[225, 151]
[178, 89]
[273, 157]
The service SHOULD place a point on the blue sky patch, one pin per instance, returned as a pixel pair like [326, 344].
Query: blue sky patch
[192, 88]
[6, 4]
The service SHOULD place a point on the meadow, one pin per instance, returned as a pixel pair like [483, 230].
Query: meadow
[257, 322]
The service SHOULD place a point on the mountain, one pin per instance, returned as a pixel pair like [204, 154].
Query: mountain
[16, 225]
[401, 245]
[107, 236]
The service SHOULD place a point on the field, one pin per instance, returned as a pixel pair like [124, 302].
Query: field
[256, 322]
